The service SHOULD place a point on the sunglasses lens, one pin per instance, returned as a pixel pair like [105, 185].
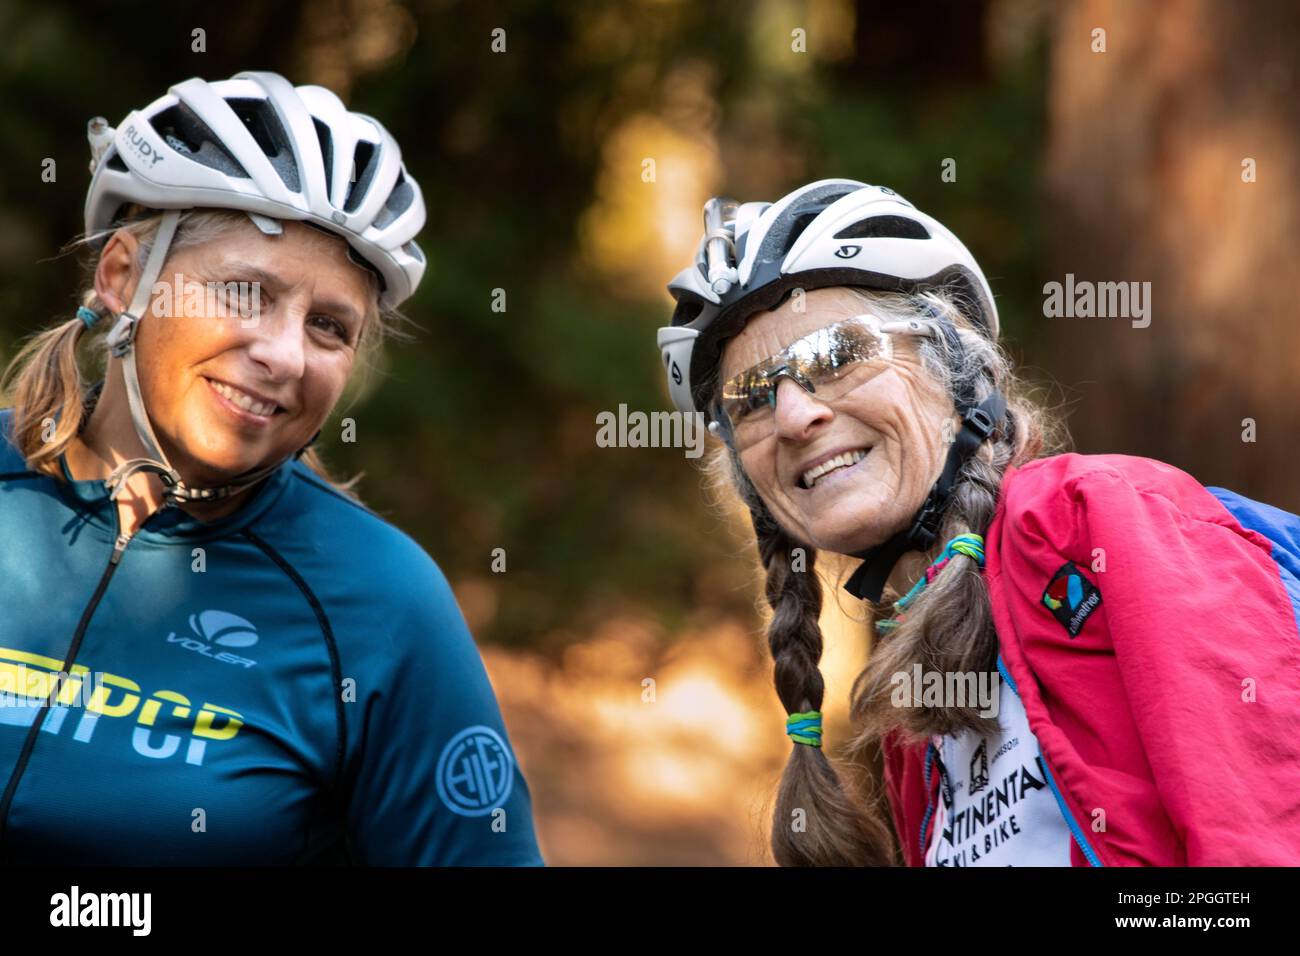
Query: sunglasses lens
[746, 394]
[822, 363]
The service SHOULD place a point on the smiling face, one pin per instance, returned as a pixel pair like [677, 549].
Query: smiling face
[227, 394]
[847, 474]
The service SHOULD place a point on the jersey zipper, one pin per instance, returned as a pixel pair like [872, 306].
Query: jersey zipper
[119, 546]
[1075, 830]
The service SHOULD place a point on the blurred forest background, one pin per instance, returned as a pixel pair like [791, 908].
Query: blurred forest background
[1122, 165]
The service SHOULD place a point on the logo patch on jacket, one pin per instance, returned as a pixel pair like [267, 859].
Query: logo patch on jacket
[1071, 598]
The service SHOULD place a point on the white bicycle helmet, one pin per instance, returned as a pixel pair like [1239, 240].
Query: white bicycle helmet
[257, 143]
[834, 232]
[254, 143]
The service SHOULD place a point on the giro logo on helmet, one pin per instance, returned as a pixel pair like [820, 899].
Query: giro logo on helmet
[847, 252]
[142, 146]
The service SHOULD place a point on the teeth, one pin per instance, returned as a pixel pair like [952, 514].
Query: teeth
[246, 402]
[839, 461]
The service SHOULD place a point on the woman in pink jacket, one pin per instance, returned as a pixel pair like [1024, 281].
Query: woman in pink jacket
[1079, 660]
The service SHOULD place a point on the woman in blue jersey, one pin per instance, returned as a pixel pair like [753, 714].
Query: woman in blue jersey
[213, 653]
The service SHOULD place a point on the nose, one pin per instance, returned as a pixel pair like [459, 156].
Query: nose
[277, 342]
[798, 413]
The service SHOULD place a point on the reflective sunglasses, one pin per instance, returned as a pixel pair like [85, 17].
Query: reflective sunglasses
[828, 362]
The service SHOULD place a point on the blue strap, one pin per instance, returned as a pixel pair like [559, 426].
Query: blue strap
[971, 545]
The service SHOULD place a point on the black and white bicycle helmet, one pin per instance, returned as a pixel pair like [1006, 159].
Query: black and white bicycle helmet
[254, 143]
[834, 232]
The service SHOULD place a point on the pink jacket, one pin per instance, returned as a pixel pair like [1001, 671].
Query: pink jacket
[1169, 722]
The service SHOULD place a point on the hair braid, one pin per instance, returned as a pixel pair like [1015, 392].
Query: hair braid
[815, 821]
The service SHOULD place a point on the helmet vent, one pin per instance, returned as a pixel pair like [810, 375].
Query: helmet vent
[884, 227]
[326, 146]
[782, 235]
[414, 251]
[794, 220]
[265, 127]
[365, 163]
[180, 124]
[399, 200]
[687, 311]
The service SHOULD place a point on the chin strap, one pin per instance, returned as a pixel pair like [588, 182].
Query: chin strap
[977, 424]
[175, 490]
[121, 341]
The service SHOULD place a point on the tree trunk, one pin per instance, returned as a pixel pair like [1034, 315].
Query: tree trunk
[1145, 183]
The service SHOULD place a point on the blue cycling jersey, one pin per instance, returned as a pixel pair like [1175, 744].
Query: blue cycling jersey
[290, 683]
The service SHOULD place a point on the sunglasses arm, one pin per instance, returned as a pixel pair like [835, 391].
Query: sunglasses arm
[911, 327]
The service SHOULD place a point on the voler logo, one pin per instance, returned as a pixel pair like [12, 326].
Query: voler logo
[213, 629]
[1071, 597]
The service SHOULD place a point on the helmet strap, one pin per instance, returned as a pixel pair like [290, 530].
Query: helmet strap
[121, 341]
[978, 423]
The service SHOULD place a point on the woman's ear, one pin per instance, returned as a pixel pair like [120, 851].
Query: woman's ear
[116, 274]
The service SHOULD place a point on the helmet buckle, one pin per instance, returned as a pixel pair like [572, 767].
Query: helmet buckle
[122, 337]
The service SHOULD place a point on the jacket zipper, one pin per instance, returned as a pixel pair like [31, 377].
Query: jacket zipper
[1075, 830]
[929, 800]
[119, 545]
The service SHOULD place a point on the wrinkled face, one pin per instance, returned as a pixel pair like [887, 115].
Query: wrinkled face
[228, 391]
[879, 447]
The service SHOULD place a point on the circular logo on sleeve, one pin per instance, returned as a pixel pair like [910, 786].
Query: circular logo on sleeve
[475, 772]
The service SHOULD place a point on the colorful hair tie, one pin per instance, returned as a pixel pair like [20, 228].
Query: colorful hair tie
[969, 545]
[89, 316]
[805, 728]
